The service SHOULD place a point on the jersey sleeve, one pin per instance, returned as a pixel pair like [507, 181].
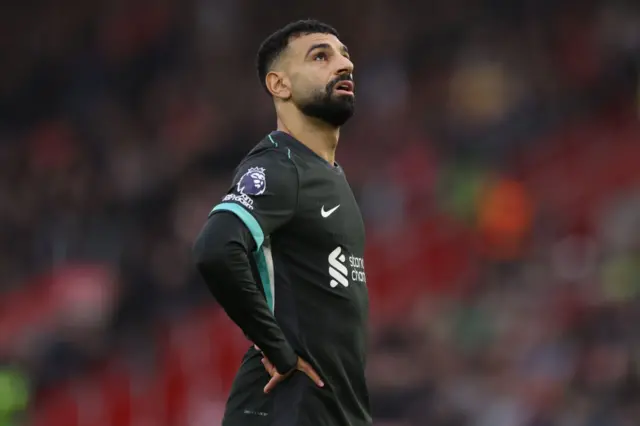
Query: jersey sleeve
[263, 194]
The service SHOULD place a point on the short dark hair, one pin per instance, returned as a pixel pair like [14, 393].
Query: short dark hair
[273, 46]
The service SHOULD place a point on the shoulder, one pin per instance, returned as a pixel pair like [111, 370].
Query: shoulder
[266, 164]
[270, 151]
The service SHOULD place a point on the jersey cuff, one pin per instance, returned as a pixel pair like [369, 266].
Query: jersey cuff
[247, 218]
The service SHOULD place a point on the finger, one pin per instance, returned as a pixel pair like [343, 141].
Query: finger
[268, 366]
[309, 371]
[256, 348]
[277, 378]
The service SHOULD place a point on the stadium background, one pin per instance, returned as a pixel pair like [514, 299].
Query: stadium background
[495, 153]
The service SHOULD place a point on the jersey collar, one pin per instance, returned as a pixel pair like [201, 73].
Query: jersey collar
[295, 144]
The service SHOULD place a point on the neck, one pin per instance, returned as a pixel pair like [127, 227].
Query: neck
[316, 135]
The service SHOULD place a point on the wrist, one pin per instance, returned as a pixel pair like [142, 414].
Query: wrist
[285, 362]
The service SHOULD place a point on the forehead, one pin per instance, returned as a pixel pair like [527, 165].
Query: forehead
[300, 45]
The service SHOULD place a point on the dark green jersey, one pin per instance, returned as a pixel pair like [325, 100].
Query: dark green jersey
[310, 240]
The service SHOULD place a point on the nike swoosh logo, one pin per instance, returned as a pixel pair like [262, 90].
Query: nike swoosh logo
[327, 213]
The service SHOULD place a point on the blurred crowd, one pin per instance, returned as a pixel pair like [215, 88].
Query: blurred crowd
[494, 154]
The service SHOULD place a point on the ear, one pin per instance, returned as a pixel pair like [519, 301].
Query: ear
[279, 85]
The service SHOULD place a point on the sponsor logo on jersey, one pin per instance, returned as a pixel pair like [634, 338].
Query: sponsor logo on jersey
[339, 271]
[253, 182]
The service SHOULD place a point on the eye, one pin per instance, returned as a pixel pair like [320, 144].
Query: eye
[320, 56]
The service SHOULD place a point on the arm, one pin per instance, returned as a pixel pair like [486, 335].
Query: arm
[262, 198]
[222, 253]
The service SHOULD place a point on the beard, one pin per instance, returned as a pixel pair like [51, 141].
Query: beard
[328, 107]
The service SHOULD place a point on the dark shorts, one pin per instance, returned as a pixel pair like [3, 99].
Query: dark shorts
[248, 405]
[297, 401]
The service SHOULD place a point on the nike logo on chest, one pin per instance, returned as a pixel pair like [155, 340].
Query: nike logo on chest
[327, 213]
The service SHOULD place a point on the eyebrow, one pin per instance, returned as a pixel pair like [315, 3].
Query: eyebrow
[313, 47]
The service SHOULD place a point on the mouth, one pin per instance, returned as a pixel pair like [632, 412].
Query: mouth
[345, 87]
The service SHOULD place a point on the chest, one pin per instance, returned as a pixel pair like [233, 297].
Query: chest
[328, 214]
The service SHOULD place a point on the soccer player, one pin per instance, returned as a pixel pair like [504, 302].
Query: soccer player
[283, 251]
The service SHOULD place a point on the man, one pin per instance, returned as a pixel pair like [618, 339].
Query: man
[283, 252]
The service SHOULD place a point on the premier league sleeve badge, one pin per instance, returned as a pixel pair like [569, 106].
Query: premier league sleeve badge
[253, 182]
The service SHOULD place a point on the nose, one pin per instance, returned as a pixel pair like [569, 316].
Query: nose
[345, 67]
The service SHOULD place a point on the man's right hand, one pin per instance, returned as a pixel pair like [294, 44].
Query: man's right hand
[276, 377]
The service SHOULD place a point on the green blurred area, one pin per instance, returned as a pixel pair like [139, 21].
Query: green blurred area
[14, 395]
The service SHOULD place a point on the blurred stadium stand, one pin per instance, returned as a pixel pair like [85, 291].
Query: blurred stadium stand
[495, 154]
